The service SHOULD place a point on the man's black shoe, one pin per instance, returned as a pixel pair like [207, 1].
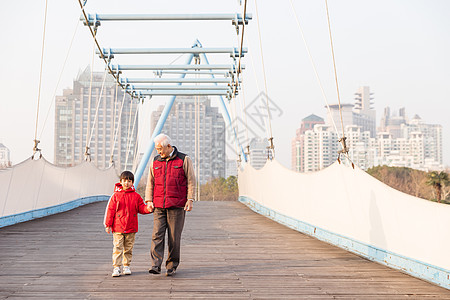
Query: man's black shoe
[171, 272]
[155, 270]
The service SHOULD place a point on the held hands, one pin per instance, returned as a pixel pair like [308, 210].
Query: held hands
[108, 230]
[189, 205]
[150, 206]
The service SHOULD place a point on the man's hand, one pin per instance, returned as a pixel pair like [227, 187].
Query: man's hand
[150, 206]
[108, 230]
[189, 205]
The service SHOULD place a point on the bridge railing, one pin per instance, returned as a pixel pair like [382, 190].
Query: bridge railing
[37, 188]
[351, 209]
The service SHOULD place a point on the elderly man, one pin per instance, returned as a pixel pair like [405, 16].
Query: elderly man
[169, 194]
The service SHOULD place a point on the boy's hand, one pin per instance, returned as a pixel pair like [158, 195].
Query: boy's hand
[108, 230]
[150, 206]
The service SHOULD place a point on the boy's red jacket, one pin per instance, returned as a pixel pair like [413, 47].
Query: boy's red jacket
[122, 209]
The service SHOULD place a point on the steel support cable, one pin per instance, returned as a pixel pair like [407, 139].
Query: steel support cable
[314, 66]
[128, 132]
[36, 142]
[60, 76]
[240, 48]
[88, 123]
[136, 147]
[99, 100]
[342, 140]
[197, 134]
[234, 98]
[243, 105]
[245, 115]
[135, 156]
[116, 130]
[113, 124]
[129, 137]
[235, 129]
[93, 33]
[258, 89]
[270, 139]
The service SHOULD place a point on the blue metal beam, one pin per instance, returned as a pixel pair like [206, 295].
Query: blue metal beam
[173, 67]
[183, 93]
[114, 51]
[175, 80]
[223, 73]
[180, 88]
[92, 18]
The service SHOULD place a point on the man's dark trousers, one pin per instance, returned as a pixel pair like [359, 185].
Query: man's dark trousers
[171, 219]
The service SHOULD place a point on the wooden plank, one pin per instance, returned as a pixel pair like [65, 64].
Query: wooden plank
[228, 252]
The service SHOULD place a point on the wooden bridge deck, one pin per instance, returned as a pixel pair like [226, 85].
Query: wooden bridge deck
[228, 251]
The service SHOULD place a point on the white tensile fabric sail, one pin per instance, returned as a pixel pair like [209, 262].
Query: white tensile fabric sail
[37, 184]
[351, 204]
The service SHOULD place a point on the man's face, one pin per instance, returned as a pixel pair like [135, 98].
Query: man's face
[163, 151]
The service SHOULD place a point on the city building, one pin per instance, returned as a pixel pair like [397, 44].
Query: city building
[392, 123]
[258, 152]
[360, 113]
[5, 157]
[181, 127]
[417, 145]
[399, 142]
[297, 145]
[105, 125]
[363, 113]
[231, 168]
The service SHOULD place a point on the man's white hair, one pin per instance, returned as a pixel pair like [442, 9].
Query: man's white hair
[162, 139]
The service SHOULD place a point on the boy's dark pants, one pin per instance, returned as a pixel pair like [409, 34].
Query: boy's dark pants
[171, 219]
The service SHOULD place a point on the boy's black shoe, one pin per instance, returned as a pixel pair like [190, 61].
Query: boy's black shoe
[155, 270]
[171, 272]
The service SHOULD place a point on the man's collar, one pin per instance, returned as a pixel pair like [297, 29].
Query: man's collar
[171, 156]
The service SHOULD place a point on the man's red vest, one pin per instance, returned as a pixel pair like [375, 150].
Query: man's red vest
[170, 188]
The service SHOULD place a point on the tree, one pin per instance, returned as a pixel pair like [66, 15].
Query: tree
[220, 189]
[437, 180]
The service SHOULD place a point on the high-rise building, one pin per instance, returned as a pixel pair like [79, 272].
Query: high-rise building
[297, 159]
[258, 152]
[360, 113]
[399, 142]
[106, 125]
[231, 168]
[180, 126]
[392, 123]
[5, 158]
[363, 113]
[411, 143]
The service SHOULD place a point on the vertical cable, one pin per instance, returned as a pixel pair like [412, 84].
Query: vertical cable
[116, 131]
[131, 135]
[97, 108]
[40, 78]
[314, 66]
[265, 83]
[334, 66]
[88, 123]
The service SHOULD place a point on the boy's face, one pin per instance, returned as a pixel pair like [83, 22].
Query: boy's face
[126, 183]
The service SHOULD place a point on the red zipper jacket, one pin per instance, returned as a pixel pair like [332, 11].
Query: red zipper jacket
[170, 189]
[122, 209]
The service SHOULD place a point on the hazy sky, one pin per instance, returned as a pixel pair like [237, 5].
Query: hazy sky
[400, 49]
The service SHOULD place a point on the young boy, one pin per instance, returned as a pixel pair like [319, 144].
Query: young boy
[121, 219]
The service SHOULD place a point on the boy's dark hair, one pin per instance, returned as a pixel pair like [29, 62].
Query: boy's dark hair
[127, 175]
